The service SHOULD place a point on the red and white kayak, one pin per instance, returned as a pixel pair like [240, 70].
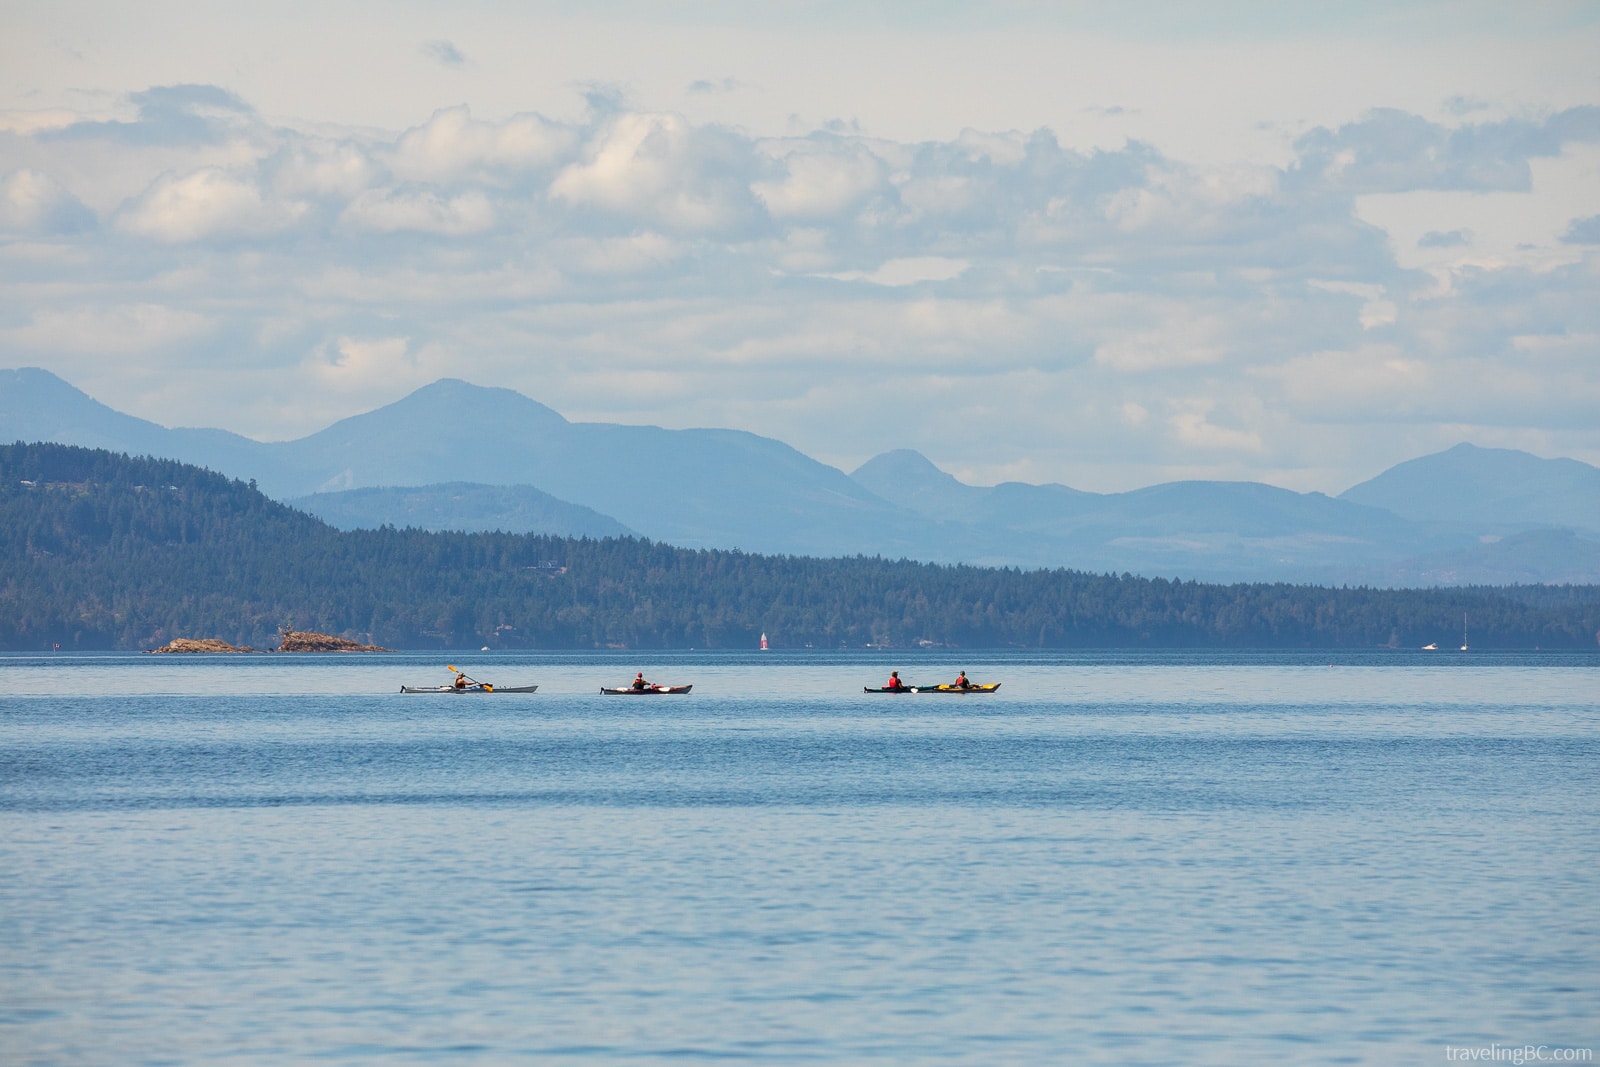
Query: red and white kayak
[647, 691]
[988, 687]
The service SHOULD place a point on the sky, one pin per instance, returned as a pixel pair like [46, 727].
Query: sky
[1102, 245]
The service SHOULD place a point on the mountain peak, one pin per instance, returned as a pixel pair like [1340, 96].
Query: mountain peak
[1495, 486]
[906, 477]
[36, 405]
[901, 463]
[457, 395]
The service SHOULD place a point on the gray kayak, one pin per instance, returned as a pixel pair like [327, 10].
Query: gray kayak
[469, 689]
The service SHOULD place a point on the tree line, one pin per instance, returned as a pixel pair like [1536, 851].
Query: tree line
[106, 551]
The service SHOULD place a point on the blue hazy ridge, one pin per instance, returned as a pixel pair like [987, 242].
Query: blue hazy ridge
[462, 457]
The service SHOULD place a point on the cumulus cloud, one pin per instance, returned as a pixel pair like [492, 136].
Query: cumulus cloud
[1169, 196]
[362, 362]
[207, 203]
[660, 169]
[1391, 151]
[320, 168]
[1366, 383]
[1376, 308]
[394, 211]
[823, 179]
[453, 145]
[1192, 429]
[32, 202]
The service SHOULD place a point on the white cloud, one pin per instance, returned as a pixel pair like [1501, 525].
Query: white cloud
[116, 330]
[322, 168]
[1008, 149]
[804, 250]
[659, 168]
[633, 254]
[34, 202]
[1182, 341]
[362, 363]
[1192, 429]
[207, 203]
[452, 145]
[1179, 201]
[32, 122]
[395, 211]
[822, 180]
[908, 271]
[946, 194]
[1376, 309]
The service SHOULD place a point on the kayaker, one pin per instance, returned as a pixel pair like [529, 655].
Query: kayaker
[894, 681]
[639, 682]
[461, 680]
[961, 681]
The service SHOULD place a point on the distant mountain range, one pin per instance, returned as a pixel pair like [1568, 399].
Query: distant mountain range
[454, 456]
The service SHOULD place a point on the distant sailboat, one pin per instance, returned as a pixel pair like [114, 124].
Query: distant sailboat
[763, 642]
[1463, 631]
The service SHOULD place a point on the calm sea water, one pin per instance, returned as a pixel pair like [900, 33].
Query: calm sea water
[1131, 859]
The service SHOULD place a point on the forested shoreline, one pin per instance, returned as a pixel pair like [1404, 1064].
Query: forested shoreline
[104, 551]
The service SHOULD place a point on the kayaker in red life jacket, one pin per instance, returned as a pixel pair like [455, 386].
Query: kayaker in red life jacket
[961, 681]
[639, 682]
[894, 681]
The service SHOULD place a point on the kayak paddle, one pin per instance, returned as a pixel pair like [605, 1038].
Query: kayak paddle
[486, 686]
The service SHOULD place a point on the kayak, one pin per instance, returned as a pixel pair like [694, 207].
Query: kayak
[468, 689]
[649, 691]
[987, 688]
